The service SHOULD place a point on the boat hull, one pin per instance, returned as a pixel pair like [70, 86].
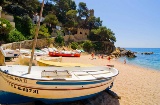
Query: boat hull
[47, 96]
[12, 98]
[48, 91]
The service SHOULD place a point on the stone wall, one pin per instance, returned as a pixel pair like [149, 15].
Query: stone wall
[41, 43]
[69, 38]
[8, 17]
[75, 38]
[81, 31]
[80, 36]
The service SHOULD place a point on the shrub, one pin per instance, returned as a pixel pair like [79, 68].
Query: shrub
[98, 46]
[5, 28]
[74, 45]
[25, 25]
[15, 36]
[59, 40]
[87, 45]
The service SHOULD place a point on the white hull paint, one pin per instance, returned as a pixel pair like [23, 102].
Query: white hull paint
[55, 88]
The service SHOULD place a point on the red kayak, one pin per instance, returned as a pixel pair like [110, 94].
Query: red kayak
[63, 54]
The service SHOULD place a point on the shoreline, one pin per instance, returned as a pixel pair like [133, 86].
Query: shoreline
[145, 67]
[137, 65]
[112, 61]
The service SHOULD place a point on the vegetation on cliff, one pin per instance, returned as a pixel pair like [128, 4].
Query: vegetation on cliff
[63, 13]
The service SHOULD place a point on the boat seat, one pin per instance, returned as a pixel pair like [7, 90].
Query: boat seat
[91, 73]
[56, 74]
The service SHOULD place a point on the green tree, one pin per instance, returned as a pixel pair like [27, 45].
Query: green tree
[62, 7]
[59, 39]
[87, 45]
[15, 36]
[21, 7]
[112, 37]
[51, 21]
[105, 34]
[71, 22]
[98, 46]
[24, 25]
[43, 32]
[5, 28]
[48, 8]
[83, 10]
[94, 22]
[2, 2]
[83, 14]
[71, 14]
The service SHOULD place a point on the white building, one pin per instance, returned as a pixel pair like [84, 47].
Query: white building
[36, 18]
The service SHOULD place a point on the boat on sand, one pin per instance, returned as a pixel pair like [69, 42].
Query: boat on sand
[53, 84]
[64, 54]
[61, 64]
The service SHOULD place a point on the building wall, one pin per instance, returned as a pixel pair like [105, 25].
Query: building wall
[80, 36]
[91, 12]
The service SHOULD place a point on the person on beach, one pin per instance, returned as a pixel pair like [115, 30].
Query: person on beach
[92, 55]
[109, 58]
[102, 56]
[124, 60]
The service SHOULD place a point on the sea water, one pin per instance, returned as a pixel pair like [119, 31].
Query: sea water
[148, 61]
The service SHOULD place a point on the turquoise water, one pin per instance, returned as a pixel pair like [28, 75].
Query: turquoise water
[148, 61]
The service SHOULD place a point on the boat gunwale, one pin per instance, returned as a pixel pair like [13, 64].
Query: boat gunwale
[60, 79]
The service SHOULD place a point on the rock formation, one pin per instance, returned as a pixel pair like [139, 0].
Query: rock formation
[123, 52]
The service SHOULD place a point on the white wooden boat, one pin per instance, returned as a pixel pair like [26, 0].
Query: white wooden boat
[53, 84]
[11, 53]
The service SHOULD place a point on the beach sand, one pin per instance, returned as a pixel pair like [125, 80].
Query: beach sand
[135, 85]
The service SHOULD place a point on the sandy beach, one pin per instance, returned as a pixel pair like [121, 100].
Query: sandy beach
[135, 85]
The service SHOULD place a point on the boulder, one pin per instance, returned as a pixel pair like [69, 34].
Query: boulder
[123, 52]
[147, 53]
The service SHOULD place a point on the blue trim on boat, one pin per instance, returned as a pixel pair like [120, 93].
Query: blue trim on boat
[70, 82]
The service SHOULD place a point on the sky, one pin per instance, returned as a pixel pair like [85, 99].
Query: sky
[136, 23]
